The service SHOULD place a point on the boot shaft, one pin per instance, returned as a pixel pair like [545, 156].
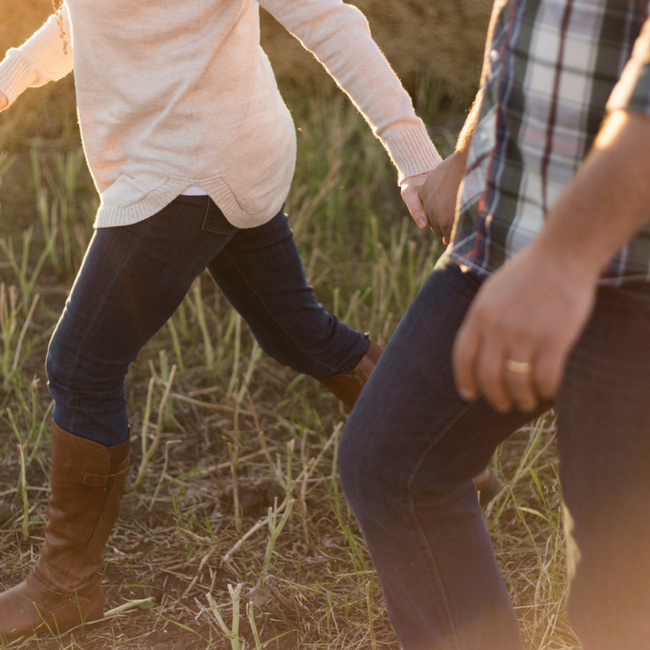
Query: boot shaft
[87, 481]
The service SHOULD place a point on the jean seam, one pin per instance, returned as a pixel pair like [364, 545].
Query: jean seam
[207, 211]
[293, 341]
[94, 317]
[428, 551]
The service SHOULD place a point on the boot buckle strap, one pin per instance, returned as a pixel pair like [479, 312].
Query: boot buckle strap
[100, 480]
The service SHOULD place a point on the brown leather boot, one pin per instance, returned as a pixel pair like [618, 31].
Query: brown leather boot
[64, 589]
[347, 387]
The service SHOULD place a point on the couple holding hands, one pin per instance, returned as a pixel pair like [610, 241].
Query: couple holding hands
[541, 300]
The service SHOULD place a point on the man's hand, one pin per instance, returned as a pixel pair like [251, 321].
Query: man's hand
[439, 194]
[514, 342]
[410, 188]
[3, 101]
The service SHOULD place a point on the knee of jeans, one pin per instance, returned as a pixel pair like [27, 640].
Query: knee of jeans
[370, 484]
[375, 472]
[56, 368]
[72, 373]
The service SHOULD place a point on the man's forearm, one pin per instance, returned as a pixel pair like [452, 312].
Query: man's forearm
[608, 200]
[466, 133]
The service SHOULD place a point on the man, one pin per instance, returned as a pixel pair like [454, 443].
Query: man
[544, 300]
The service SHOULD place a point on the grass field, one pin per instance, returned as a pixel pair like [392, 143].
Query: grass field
[233, 531]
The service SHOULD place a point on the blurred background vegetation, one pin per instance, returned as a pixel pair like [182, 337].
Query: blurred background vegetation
[435, 47]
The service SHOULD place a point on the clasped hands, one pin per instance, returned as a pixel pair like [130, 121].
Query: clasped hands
[431, 197]
[513, 344]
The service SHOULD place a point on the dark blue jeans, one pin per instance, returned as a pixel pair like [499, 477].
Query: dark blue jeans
[412, 445]
[134, 277]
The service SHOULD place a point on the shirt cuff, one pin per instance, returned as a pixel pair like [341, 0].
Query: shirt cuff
[412, 151]
[16, 74]
[632, 92]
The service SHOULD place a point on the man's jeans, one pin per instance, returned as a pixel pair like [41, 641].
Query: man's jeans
[412, 445]
[134, 277]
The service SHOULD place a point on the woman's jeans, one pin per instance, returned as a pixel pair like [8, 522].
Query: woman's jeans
[412, 445]
[134, 277]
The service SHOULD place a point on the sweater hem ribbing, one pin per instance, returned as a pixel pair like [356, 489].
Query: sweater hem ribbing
[112, 216]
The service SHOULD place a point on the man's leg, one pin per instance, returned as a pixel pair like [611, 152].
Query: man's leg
[407, 457]
[604, 445]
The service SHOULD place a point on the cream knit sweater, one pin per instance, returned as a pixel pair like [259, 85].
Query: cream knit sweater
[172, 94]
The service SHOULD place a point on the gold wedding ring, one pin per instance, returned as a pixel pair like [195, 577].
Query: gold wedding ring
[522, 367]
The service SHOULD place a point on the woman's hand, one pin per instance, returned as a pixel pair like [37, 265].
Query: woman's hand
[410, 188]
[3, 102]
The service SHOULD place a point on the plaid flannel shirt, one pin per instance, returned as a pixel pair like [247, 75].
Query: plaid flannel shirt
[552, 70]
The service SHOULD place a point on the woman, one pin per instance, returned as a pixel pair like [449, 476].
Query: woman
[192, 150]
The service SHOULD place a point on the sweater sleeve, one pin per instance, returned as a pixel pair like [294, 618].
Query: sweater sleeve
[339, 37]
[45, 56]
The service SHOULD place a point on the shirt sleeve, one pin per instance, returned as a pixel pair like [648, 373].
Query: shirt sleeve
[45, 56]
[339, 37]
[632, 92]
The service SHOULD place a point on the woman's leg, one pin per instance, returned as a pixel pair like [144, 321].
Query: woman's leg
[408, 453]
[131, 281]
[261, 274]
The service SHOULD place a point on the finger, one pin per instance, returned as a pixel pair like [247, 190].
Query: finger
[3, 101]
[549, 369]
[464, 354]
[519, 382]
[490, 374]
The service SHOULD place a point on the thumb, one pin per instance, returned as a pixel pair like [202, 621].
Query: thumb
[3, 101]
